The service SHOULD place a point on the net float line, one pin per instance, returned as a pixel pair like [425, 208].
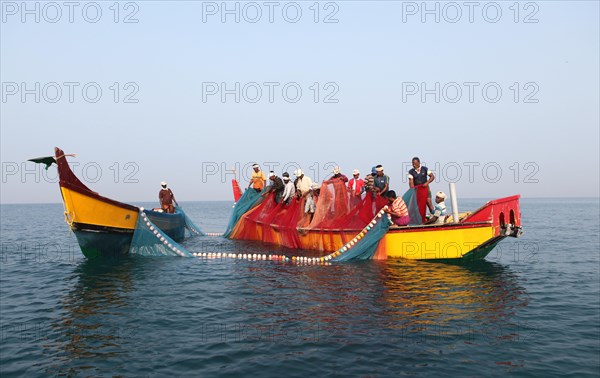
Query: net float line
[300, 259]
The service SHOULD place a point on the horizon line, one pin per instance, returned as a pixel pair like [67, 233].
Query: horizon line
[230, 200]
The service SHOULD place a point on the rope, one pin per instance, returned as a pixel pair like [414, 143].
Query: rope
[63, 155]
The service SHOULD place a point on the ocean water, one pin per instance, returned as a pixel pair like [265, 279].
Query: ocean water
[532, 308]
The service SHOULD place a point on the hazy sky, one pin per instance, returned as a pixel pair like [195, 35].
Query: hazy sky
[501, 98]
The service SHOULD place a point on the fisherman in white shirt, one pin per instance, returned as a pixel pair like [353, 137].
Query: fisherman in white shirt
[289, 189]
[304, 189]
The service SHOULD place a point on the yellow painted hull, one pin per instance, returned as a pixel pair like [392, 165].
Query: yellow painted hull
[415, 243]
[83, 209]
[434, 244]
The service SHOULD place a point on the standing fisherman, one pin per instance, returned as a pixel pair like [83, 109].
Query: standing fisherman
[258, 179]
[419, 177]
[166, 198]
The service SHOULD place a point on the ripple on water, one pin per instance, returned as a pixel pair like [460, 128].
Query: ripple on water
[518, 313]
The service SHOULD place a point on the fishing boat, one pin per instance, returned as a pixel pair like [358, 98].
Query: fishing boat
[337, 227]
[102, 225]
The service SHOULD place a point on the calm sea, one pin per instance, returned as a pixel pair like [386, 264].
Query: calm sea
[532, 308]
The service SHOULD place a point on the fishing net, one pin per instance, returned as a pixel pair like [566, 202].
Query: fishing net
[342, 226]
[366, 246]
[190, 225]
[413, 207]
[248, 200]
[336, 220]
[348, 228]
[149, 240]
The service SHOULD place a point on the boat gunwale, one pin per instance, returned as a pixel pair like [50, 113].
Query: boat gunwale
[497, 201]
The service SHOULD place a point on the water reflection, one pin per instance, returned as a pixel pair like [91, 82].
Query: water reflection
[222, 302]
[420, 294]
[88, 332]
[385, 298]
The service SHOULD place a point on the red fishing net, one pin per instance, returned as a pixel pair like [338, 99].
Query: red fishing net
[338, 217]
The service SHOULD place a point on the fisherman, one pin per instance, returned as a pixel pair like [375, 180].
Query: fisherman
[166, 198]
[381, 182]
[397, 209]
[439, 212]
[338, 176]
[289, 188]
[356, 184]
[276, 186]
[315, 192]
[369, 179]
[421, 175]
[303, 186]
[258, 179]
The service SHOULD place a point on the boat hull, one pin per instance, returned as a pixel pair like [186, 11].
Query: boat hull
[96, 241]
[436, 242]
[171, 224]
[103, 243]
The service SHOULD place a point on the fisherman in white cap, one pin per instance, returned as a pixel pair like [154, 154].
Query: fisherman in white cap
[355, 185]
[303, 186]
[258, 179]
[439, 211]
[166, 198]
[337, 175]
[314, 194]
[381, 182]
[289, 189]
[276, 186]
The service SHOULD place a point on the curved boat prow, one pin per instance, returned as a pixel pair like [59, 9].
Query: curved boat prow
[65, 174]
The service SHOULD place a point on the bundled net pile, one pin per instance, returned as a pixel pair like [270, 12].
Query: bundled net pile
[338, 218]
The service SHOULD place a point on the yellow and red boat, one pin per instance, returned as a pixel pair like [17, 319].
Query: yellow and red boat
[472, 237]
[104, 226]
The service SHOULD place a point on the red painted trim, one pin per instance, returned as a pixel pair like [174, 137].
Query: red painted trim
[70, 181]
[499, 211]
